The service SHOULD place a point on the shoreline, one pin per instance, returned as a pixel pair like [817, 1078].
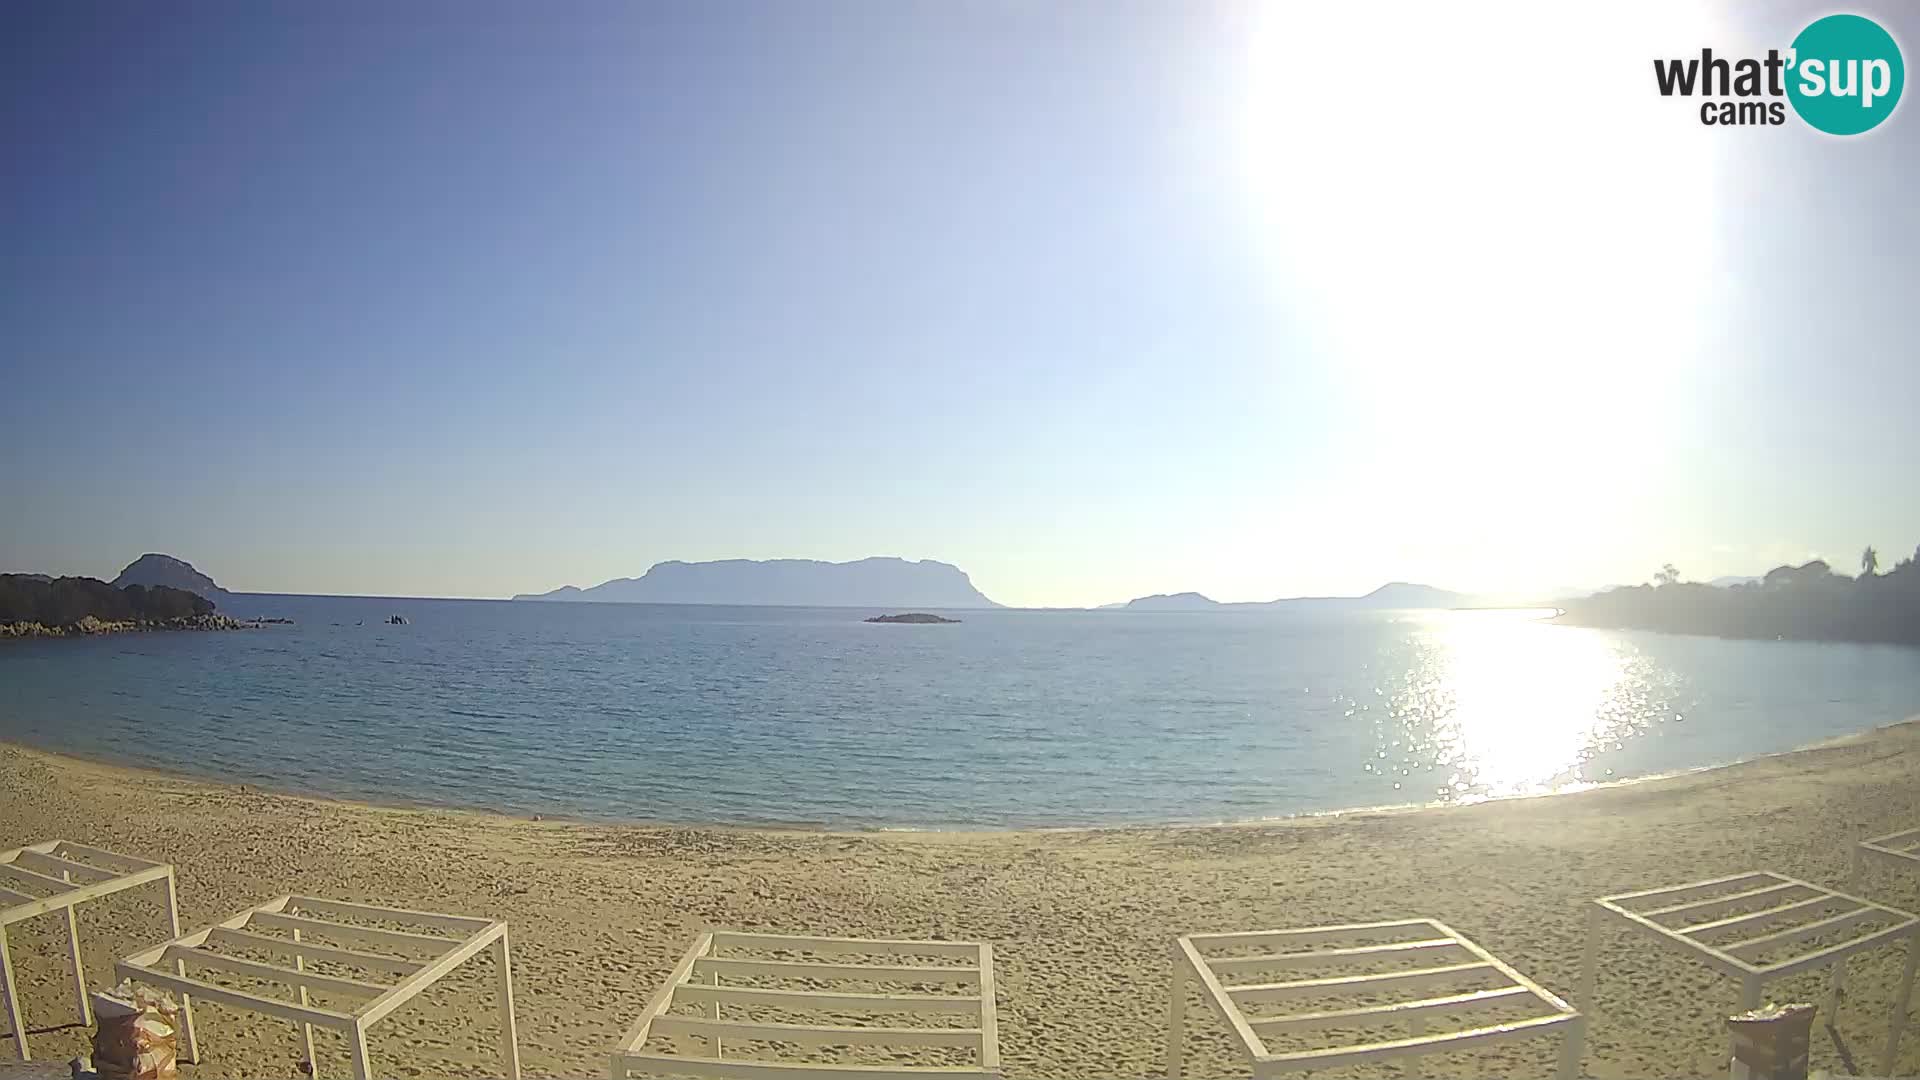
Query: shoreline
[136, 769]
[89, 627]
[1080, 919]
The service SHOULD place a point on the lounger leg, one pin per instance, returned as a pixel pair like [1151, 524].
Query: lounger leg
[362, 1067]
[180, 966]
[1856, 872]
[79, 970]
[509, 1035]
[713, 1013]
[1176, 1015]
[1410, 1067]
[1749, 994]
[1836, 989]
[1590, 961]
[1572, 1045]
[13, 998]
[306, 1030]
[1898, 1019]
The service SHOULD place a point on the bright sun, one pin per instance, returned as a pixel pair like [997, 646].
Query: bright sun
[1490, 229]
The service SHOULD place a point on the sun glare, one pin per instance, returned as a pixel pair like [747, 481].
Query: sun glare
[1529, 700]
[1483, 221]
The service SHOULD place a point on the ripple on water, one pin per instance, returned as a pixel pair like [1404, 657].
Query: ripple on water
[803, 716]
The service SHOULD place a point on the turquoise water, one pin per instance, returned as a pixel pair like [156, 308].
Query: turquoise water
[1011, 718]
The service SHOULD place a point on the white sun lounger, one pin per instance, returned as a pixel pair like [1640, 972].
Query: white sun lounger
[59, 875]
[1761, 926]
[1898, 851]
[1438, 979]
[346, 937]
[950, 979]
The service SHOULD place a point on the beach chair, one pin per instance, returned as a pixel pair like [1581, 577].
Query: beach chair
[60, 875]
[1276, 988]
[355, 944]
[748, 1006]
[1757, 927]
[1899, 851]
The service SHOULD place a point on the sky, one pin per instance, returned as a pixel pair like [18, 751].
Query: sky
[1093, 300]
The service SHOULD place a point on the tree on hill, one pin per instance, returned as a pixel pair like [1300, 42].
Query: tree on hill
[1804, 574]
[1807, 602]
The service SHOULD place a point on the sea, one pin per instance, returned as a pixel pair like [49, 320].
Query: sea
[812, 717]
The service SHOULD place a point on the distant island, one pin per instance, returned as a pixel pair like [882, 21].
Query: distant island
[1809, 602]
[911, 617]
[34, 605]
[1394, 595]
[868, 583]
[1183, 601]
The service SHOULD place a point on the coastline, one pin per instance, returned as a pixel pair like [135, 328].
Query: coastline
[92, 627]
[1080, 918]
[135, 769]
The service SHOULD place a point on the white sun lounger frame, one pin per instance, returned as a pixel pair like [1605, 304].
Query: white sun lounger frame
[1796, 912]
[702, 961]
[310, 915]
[1334, 949]
[77, 874]
[1900, 850]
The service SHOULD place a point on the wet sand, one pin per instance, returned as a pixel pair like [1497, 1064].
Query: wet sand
[1081, 921]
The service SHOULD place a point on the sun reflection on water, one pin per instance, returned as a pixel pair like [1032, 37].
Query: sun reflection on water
[1504, 703]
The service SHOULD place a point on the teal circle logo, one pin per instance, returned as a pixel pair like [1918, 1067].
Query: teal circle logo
[1847, 74]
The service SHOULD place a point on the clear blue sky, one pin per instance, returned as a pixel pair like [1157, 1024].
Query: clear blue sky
[1093, 300]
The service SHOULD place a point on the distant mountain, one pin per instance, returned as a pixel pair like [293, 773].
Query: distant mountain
[1185, 601]
[165, 570]
[1402, 594]
[1729, 581]
[876, 582]
[1391, 596]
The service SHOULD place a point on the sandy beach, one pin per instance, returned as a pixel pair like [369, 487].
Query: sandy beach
[1081, 920]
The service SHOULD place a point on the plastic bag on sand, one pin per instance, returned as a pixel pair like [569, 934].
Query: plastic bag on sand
[134, 1034]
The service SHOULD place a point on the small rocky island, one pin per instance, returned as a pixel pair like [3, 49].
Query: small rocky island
[911, 617]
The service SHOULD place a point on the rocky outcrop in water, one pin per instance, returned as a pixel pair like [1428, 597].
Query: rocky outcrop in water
[87, 625]
[32, 606]
[911, 617]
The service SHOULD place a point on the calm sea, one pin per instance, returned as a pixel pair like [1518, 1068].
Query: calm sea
[1011, 718]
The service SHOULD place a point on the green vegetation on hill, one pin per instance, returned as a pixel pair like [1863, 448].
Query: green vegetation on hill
[30, 604]
[1809, 602]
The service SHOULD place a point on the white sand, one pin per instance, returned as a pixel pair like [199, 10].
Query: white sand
[1081, 920]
